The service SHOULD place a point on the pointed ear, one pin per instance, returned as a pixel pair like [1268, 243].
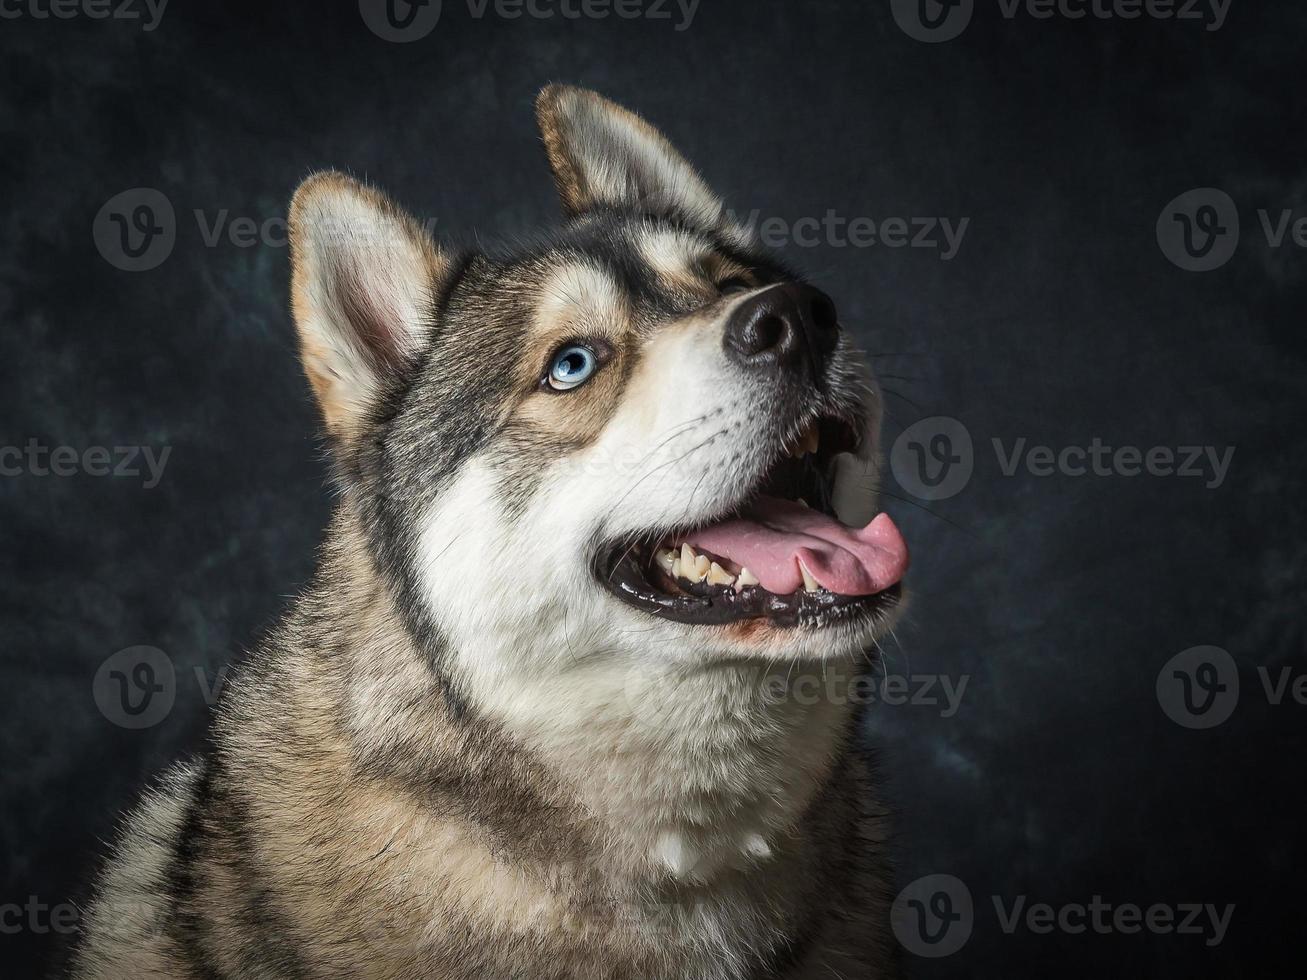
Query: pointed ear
[602, 154]
[363, 275]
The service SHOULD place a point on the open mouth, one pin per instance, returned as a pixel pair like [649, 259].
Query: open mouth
[782, 555]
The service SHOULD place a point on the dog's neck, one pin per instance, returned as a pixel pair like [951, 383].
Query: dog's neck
[688, 771]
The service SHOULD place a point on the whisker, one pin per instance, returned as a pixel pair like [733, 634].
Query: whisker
[670, 462]
[903, 397]
[922, 507]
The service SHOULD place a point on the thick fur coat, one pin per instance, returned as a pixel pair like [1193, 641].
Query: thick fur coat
[460, 755]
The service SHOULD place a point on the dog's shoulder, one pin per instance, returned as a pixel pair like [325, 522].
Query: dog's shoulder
[126, 926]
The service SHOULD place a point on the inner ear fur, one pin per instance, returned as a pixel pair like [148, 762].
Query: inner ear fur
[604, 155]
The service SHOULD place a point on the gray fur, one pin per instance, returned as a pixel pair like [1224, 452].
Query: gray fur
[368, 808]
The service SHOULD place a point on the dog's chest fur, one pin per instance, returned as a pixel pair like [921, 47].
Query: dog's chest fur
[347, 825]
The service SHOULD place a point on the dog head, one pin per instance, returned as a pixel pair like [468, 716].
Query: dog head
[641, 437]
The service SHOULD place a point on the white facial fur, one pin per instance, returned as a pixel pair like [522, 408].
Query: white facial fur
[518, 597]
[685, 445]
[606, 690]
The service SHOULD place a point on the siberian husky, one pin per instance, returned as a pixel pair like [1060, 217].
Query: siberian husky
[606, 514]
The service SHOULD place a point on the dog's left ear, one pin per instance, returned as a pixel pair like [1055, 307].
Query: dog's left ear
[363, 278]
[602, 154]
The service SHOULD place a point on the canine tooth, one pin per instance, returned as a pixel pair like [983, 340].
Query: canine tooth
[690, 565]
[666, 559]
[745, 579]
[802, 503]
[809, 583]
[811, 439]
[719, 576]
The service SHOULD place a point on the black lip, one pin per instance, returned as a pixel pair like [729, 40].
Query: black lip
[626, 571]
[627, 577]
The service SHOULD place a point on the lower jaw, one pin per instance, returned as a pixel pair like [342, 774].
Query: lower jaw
[627, 577]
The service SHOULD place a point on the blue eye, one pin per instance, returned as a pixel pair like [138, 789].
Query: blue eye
[571, 366]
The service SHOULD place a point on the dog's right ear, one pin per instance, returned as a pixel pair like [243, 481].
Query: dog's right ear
[604, 155]
[363, 276]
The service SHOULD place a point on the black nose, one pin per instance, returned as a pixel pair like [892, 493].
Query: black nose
[782, 327]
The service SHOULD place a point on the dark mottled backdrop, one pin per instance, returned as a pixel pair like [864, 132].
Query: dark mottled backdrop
[1065, 770]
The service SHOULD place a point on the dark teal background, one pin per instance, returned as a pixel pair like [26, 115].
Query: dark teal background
[1058, 321]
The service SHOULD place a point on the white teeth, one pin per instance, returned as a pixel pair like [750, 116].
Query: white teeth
[719, 576]
[690, 565]
[809, 583]
[694, 568]
[665, 559]
[803, 503]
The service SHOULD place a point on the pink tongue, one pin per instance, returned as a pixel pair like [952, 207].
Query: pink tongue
[778, 534]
